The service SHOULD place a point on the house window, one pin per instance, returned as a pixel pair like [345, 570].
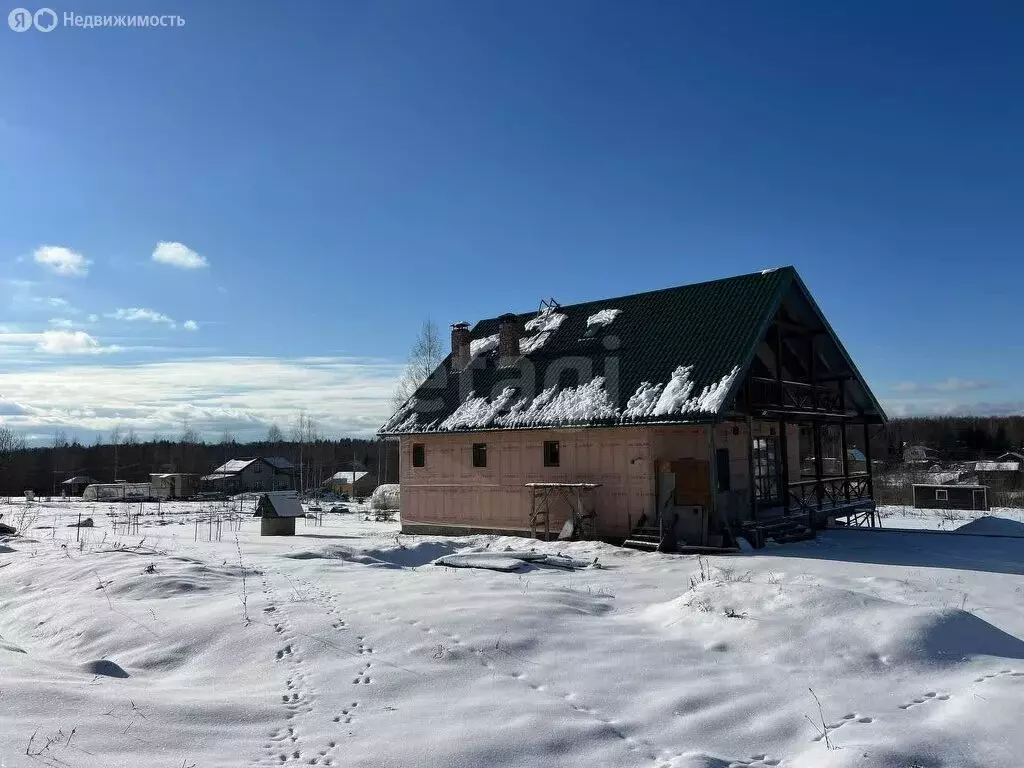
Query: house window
[419, 455]
[550, 453]
[722, 469]
[479, 454]
[766, 469]
[941, 495]
[257, 467]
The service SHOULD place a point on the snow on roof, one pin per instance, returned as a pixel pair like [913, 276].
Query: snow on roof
[575, 406]
[996, 466]
[284, 503]
[482, 346]
[233, 467]
[570, 406]
[476, 412]
[674, 397]
[602, 318]
[348, 477]
[78, 480]
[768, 271]
[218, 476]
[403, 419]
[545, 323]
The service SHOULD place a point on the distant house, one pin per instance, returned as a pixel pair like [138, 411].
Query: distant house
[973, 497]
[270, 473]
[670, 417]
[74, 486]
[355, 484]
[1012, 456]
[920, 454]
[174, 485]
[278, 511]
[1000, 474]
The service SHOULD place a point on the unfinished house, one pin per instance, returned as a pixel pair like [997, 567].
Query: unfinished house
[674, 419]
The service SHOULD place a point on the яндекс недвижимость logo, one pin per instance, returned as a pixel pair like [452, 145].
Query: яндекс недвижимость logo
[22, 19]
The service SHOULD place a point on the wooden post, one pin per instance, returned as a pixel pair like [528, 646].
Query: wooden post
[778, 365]
[750, 468]
[818, 462]
[713, 480]
[784, 480]
[867, 457]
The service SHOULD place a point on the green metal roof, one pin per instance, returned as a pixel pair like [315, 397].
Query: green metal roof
[695, 340]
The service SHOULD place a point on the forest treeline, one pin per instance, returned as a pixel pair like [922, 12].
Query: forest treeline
[43, 468]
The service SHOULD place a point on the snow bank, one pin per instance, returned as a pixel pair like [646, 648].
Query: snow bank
[386, 496]
[993, 526]
[910, 642]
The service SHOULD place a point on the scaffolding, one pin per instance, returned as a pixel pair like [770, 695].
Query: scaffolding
[581, 523]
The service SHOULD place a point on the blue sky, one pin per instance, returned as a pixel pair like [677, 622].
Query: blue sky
[345, 170]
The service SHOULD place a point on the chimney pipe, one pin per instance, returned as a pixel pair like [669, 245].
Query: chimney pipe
[508, 339]
[460, 346]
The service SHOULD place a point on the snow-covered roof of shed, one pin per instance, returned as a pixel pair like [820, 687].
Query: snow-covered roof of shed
[996, 466]
[284, 503]
[348, 476]
[676, 355]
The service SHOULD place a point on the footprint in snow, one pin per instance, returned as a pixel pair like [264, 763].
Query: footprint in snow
[930, 696]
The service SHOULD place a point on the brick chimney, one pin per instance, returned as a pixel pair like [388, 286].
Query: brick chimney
[460, 346]
[508, 339]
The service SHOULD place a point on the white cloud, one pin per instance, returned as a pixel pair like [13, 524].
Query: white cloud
[141, 315]
[71, 343]
[62, 261]
[949, 385]
[190, 325]
[345, 396]
[61, 322]
[178, 255]
[93, 318]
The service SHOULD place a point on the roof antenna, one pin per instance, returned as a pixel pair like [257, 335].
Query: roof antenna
[548, 304]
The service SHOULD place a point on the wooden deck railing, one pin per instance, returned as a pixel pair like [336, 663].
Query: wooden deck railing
[794, 395]
[829, 492]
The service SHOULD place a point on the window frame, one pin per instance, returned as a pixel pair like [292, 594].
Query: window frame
[944, 496]
[767, 479]
[479, 455]
[552, 453]
[722, 474]
[421, 449]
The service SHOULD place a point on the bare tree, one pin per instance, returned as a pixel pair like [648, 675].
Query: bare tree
[115, 440]
[426, 354]
[305, 433]
[10, 442]
[227, 437]
[275, 435]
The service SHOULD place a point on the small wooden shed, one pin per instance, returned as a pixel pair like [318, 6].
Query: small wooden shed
[951, 497]
[278, 510]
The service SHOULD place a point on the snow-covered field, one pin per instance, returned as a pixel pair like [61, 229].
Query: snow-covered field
[893, 516]
[343, 646]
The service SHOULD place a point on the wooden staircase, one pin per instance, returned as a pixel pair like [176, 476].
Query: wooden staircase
[648, 538]
[782, 530]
